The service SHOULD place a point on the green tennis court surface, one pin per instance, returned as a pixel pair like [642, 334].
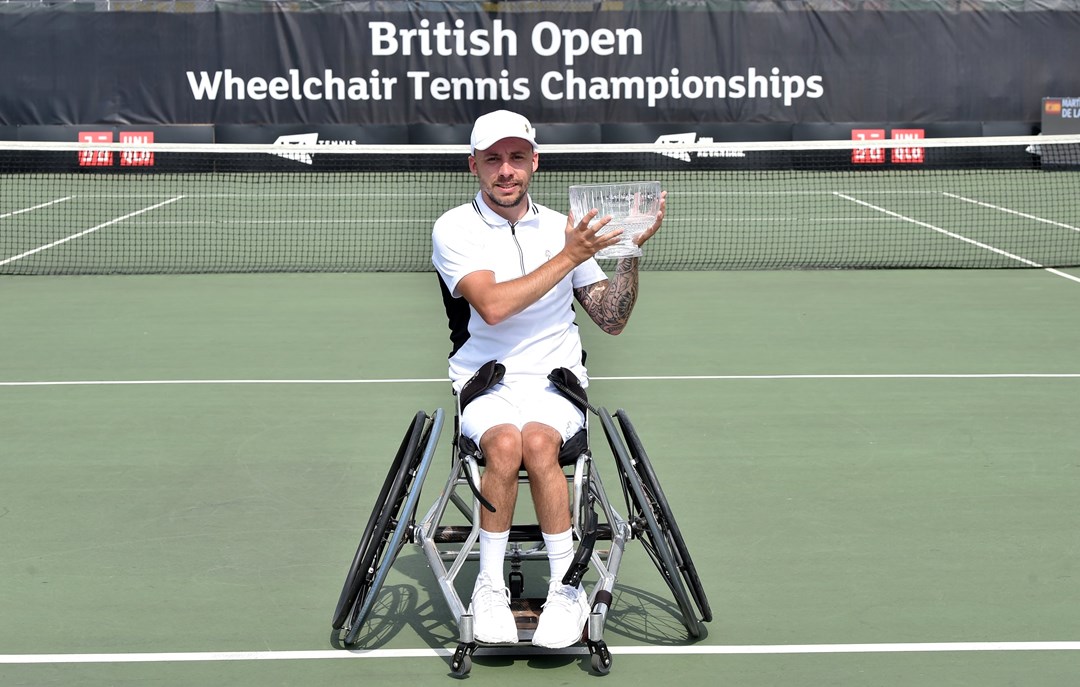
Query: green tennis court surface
[876, 473]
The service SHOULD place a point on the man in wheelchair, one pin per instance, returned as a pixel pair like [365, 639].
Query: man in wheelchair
[510, 270]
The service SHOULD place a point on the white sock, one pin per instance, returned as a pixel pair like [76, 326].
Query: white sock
[493, 554]
[560, 550]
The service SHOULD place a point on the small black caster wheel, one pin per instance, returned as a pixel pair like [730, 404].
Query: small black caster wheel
[601, 658]
[461, 663]
[461, 667]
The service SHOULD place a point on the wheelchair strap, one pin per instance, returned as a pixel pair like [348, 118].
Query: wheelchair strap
[492, 372]
[568, 384]
[580, 564]
[489, 374]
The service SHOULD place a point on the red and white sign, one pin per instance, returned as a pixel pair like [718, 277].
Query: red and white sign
[867, 156]
[95, 158]
[876, 156]
[136, 158]
[914, 155]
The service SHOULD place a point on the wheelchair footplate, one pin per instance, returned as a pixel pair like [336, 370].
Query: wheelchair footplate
[527, 614]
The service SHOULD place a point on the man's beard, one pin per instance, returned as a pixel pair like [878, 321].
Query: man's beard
[504, 204]
[513, 203]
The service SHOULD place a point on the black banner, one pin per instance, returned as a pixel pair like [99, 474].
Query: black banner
[434, 63]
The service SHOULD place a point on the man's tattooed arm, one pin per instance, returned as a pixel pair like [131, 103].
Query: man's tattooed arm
[610, 302]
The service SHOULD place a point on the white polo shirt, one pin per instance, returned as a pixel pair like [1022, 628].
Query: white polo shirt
[542, 337]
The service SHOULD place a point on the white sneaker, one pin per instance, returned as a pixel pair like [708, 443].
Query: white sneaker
[563, 620]
[493, 622]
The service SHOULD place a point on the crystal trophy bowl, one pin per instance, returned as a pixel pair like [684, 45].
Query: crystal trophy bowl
[633, 207]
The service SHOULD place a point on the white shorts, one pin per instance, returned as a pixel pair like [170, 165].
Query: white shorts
[518, 402]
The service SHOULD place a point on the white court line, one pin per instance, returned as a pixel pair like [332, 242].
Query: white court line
[262, 197]
[111, 222]
[958, 237]
[1013, 212]
[789, 218]
[817, 192]
[287, 221]
[775, 649]
[36, 207]
[639, 378]
[292, 221]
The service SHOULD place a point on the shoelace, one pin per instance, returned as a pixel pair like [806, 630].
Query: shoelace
[563, 596]
[486, 598]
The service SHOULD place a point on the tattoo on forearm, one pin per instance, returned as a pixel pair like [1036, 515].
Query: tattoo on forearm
[610, 303]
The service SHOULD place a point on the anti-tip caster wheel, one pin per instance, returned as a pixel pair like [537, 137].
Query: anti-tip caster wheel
[601, 657]
[461, 663]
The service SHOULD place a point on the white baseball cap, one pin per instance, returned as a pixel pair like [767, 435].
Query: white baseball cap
[493, 127]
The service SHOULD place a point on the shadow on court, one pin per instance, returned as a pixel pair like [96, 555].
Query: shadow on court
[636, 615]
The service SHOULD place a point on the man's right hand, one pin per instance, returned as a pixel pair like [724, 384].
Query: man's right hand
[583, 241]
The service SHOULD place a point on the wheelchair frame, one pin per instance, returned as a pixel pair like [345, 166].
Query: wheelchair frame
[447, 547]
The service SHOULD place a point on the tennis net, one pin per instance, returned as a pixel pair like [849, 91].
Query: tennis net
[198, 208]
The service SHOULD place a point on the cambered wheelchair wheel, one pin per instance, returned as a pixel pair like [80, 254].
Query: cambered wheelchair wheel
[386, 529]
[665, 518]
[651, 520]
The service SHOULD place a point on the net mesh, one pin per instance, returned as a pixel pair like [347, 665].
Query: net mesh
[130, 209]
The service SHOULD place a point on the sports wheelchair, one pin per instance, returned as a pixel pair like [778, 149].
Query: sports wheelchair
[448, 533]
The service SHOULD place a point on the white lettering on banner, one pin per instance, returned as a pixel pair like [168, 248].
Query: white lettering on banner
[306, 140]
[387, 39]
[563, 83]
[555, 85]
[690, 138]
[297, 140]
[548, 40]
[205, 86]
[653, 89]
[462, 88]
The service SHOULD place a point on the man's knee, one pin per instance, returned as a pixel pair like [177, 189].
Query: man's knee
[502, 447]
[540, 445]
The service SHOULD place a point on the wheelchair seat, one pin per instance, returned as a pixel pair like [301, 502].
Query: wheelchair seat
[568, 453]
